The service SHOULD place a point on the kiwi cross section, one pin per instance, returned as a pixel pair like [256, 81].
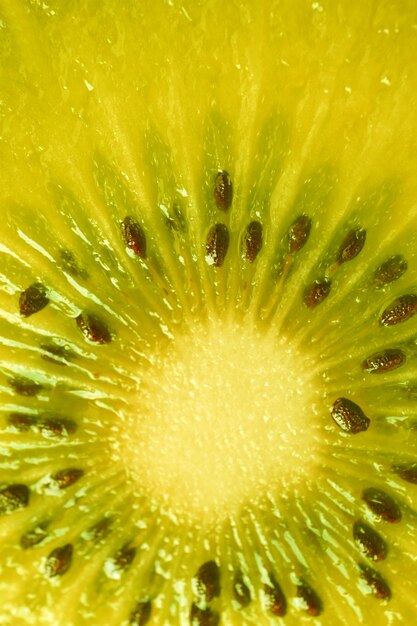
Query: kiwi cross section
[208, 313]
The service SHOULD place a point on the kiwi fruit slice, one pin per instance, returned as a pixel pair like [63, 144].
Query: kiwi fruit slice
[208, 312]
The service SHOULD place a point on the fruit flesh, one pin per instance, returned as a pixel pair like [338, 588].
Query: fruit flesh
[310, 109]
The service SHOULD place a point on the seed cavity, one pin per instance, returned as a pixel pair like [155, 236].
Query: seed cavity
[382, 505]
[21, 421]
[315, 293]
[141, 614]
[25, 386]
[349, 416]
[70, 264]
[241, 590]
[376, 584]
[56, 353]
[217, 245]
[309, 599]
[33, 299]
[98, 531]
[57, 427]
[223, 191]
[351, 245]
[298, 233]
[59, 561]
[384, 361]
[275, 599]
[407, 471]
[14, 498]
[203, 617]
[175, 220]
[67, 477]
[115, 567]
[93, 328]
[207, 581]
[369, 542]
[134, 236]
[253, 240]
[34, 536]
[391, 270]
[400, 310]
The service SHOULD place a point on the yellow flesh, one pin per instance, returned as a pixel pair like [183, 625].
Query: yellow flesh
[204, 428]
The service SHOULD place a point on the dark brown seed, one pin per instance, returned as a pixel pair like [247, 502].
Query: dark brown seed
[34, 536]
[60, 352]
[59, 561]
[382, 505]
[141, 614]
[276, 601]
[207, 580]
[13, 498]
[311, 601]
[67, 477]
[253, 240]
[241, 590]
[349, 416]
[203, 617]
[93, 328]
[70, 264]
[315, 293]
[33, 299]
[392, 269]
[407, 471]
[57, 427]
[400, 310]
[21, 421]
[223, 191]
[298, 233]
[217, 245]
[384, 361]
[369, 542]
[124, 557]
[25, 386]
[352, 245]
[134, 236]
[373, 579]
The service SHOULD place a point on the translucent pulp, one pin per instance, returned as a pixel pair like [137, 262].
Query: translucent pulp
[225, 415]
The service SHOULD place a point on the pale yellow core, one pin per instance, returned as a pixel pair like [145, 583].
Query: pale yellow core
[225, 416]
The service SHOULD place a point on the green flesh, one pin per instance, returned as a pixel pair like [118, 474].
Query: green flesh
[176, 178]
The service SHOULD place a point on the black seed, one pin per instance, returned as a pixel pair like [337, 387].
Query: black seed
[34, 536]
[21, 421]
[25, 386]
[223, 191]
[349, 416]
[141, 614]
[33, 299]
[93, 328]
[315, 293]
[390, 270]
[298, 233]
[67, 477]
[124, 557]
[377, 585]
[241, 590]
[400, 310]
[70, 264]
[59, 561]
[208, 580]
[407, 471]
[13, 498]
[54, 350]
[384, 361]
[369, 542]
[253, 240]
[134, 236]
[57, 427]
[352, 245]
[311, 601]
[276, 601]
[217, 245]
[381, 504]
[203, 617]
